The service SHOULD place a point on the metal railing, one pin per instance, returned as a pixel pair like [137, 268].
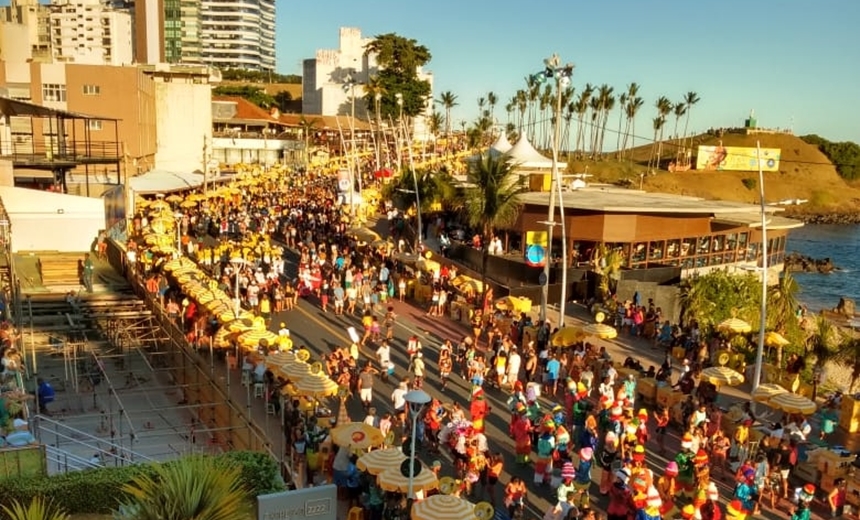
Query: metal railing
[64, 462]
[111, 453]
[67, 151]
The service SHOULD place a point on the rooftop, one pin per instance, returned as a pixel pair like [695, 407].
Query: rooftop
[239, 110]
[611, 199]
[330, 123]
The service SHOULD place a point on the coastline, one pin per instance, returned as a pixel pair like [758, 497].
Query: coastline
[845, 217]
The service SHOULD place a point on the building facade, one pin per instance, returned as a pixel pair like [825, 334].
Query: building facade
[90, 32]
[238, 34]
[34, 17]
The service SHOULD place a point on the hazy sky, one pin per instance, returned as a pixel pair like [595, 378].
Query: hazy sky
[795, 62]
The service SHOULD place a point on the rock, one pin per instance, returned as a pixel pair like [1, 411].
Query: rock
[796, 262]
[846, 307]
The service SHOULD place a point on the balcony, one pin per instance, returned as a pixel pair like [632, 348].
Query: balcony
[50, 154]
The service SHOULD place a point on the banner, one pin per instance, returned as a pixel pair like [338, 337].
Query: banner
[737, 158]
[536, 246]
[344, 181]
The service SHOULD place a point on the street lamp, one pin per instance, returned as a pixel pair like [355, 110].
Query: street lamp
[399, 98]
[237, 264]
[420, 233]
[349, 87]
[759, 354]
[562, 74]
[178, 217]
[416, 399]
[377, 99]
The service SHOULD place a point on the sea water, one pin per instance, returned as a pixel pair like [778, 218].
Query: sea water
[842, 245]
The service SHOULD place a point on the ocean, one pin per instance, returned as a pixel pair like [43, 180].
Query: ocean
[839, 243]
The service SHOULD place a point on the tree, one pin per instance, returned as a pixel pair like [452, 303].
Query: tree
[492, 200]
[448, 100]
[845, 156]
[678, 111]
[433, 187]
[39, 509]
[399, 59]
[306, 127]
[283, 100]
[435, 123]
[199, 488]
[690, 99]
[492, 100]
[664, 108]
[848, 353]
[719, 295]
[255, 95]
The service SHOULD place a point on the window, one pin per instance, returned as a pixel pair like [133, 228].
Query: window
[94, 124]
[92, 90]
[54, 92]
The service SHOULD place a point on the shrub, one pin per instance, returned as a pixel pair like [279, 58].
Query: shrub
[749, 183]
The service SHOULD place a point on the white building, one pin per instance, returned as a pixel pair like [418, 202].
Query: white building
[90, 32]
[238, 34]
[324, 76]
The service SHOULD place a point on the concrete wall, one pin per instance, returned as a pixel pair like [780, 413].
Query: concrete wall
[183, 119]
[45, 221]
[667, 297]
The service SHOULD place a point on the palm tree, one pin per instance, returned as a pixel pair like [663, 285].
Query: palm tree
[822, 344]
[690, 99]
[448, 100]
[433, 187]
[202, 488]
[848, 353]
[607, 103]
[306, 127]
[522, 107]
[630, 111]
[435, 123]
[492, 99]
[492, 200]
[657, 124]
[582, 104]
[39, 509]
[594, 106]
[678, 111]
[622, 103]
[664, 108]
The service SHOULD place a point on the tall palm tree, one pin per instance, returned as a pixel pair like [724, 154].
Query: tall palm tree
[547, 107]
[522, 108]
[678, 111]
[306, 127]
[202, 488]
[492, 200]
[607, 103]
[622, 105]
[664, 108]
[510, 108]
[582, 104]
[435, 123]
[657, 125]
[532, 96]
[594, 106]
[630, 111]
[848, 354]
[448, 100]
[690, 99]
[492, 99]
[433, 187]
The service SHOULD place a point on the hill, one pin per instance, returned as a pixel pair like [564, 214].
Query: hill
[804, 173]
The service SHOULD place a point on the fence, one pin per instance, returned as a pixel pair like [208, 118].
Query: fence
[28, 461]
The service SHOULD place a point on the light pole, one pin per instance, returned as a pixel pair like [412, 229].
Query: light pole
[399, 98]
[349, 87]
[416, 399]
[377, 99]
[420, 231]
[562, 74]
[759, 353]
[237, 264]
[178, 218]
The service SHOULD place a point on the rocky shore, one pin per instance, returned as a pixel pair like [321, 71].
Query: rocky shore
[844, 218]
[798, 263]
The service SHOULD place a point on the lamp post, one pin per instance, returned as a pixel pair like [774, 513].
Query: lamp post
[377, 99]
[399, 98]
[562, 74]
[349, 87]
[237, 264]
[178, 218]
[416, 399]
[419, 235]
[759, 354]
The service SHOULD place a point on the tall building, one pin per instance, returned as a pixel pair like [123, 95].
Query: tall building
[90, 32]
[34, 16]
[238, 34]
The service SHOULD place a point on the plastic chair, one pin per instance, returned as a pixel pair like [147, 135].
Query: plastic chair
[356, 513]
[270, 409]
[246, 378]
[259, 390]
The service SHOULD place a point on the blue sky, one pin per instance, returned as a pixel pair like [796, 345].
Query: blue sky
[797, 63]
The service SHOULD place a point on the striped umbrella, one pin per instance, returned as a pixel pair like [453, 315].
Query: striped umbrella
[793, 403]
[222, 338]
[722, 376]
[735, 325]
[227, 317]
[378, 461]
[765, 392]
[600, 330]
[254, 338]
[316, 386]
[392, 480]
[296, 370]
[357, 435]
[279, 359]
[443, 507]
[173, 265]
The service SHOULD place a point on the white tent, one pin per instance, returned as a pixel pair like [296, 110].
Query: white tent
[524, 155]
[502, 145]
[160, 181]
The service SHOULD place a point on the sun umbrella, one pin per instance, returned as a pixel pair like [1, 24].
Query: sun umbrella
[363, 234]
[254, 338]
[775, 339]
[357, 435]
[722, 376]
[317, 386]
[600, 330]
[159, 204]
[510, 303]
[179, 263]
[190, 277]
[296, 370]
[227, 317]
[163, 250]
[279, 359]
[156, 239]
[567, 336]
[222, 338]
[188, 204]
[735, 325]
[767, 391]
[204, 297]
[394, 481]
[443, 507]
[173, 198]
[793, 403]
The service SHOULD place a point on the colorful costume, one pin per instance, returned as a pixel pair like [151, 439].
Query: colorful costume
[582, 481]
[686, 469]
[478, 409]
[667, 486]
[701, 470]
[543, 461]
[521, 430]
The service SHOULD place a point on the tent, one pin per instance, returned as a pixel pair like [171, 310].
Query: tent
[502, 145]
[160, 181]
[525, 156]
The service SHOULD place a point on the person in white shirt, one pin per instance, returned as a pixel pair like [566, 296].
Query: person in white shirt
[398, 396]
[284, 331]
[513, 366]
[383, 356]
[371, 419]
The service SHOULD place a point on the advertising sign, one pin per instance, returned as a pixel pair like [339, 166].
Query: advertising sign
[736, 158]
[115, 206]
[536, 245]
[316, 503]
[344, 181]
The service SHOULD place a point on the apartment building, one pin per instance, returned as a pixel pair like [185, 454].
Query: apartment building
[90, 32]
[34, 17]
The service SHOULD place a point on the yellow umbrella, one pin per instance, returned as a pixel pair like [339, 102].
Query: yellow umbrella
[159, 204]
[357, 435]
[510, 303]
[443, 507]
[296, 370]
[600, 330]
[279, 359]
[226, 317]
[222, 338]
[190, 277]
[155, 239]
[179, 263]
[722, 376]
[735, 325]
[775, 339]
[394, 481]
[163, 250]
[173, 198]
[255, 338]
[316, 386]
[188, 204]
[216, 307]
[567, 336]
[378, 461]
[161, 222]
[793, 403]
[767, 391]
[240, 325]
[204, 297]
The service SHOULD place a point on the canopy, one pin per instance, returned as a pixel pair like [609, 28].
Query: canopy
[160, 181]
[357, 435]
[378, 461]
[443, 507]
[524, 155]
[722, 376]
[502, 145]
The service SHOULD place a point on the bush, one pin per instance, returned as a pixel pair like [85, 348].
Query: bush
[845, 156]
[100, 490]
[749, 183]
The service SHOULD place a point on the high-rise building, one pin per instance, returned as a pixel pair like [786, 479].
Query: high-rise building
[238, 34]
[90, 32]
[34, 16]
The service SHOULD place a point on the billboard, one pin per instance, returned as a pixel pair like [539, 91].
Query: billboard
[315, 503]
[736, 158]
[115, 206]
[536, 245]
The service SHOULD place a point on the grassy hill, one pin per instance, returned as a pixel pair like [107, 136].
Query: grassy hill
[805, 173]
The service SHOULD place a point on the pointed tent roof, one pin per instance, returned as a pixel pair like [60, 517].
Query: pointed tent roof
[502, 145]
[525, 155]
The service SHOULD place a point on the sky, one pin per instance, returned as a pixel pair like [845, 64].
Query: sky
[795, 62]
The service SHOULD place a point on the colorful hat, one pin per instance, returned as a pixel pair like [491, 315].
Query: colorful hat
[606, 402]
[687, 441]
[567, 470]
[713, 492]
[557, 408]
[518, 386]
[611, 438]
[520, 407]
[586, 453]
[639, 453]
[581, 389]
[477, 392]
[640, 483]
[672, 468]
[688, 512]
[735, 508]
[700, 498]
[616, 411]
[653, 498]
[701, 457]
[623, 475]
[643, 413]
[571, 384]
[807, 493]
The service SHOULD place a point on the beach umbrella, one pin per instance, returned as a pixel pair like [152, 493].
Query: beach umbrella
[793, 403]
[173, 198]
[255, 338]
[227, 317]
[775, 339]
[204, 297]
[159, 205]
[722, 376]
[600, 330]
[279, 359]
[191, 276]
[357, 435]
[567, 337]
[767, 391]
[443, 507]
[163, 250]
[363, 234]
[179, 263]
[393, 480]
[296, 370]
[510, 303]
[318, 386]
[157, 239]
[734, 325]
[222, 338]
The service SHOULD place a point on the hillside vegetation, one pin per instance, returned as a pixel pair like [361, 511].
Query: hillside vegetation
[805, 173]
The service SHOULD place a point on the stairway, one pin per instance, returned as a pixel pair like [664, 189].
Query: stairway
[61, 269]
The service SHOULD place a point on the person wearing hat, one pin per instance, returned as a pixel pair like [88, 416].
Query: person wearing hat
[735, 511]
[702, 469]
[478, 408]
[710, 510]
[545, 449]
[568, 484]
[606, 460]
[686, 468]
[688, 512]
[582, 481]
[667, 486]
[521, 431]
[562, 440]
[620, 497]
[746, 491]
[20, 435]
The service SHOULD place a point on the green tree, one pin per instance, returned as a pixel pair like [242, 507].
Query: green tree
[718, 295]
[193, 488]
[255, 95]
[283, 100]
[845, 156]
[433, 187]
[492, 200]
[256, 76]
[848, 354]
[448, 100]
[398, 59]
[435, 123]
[39, 509]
